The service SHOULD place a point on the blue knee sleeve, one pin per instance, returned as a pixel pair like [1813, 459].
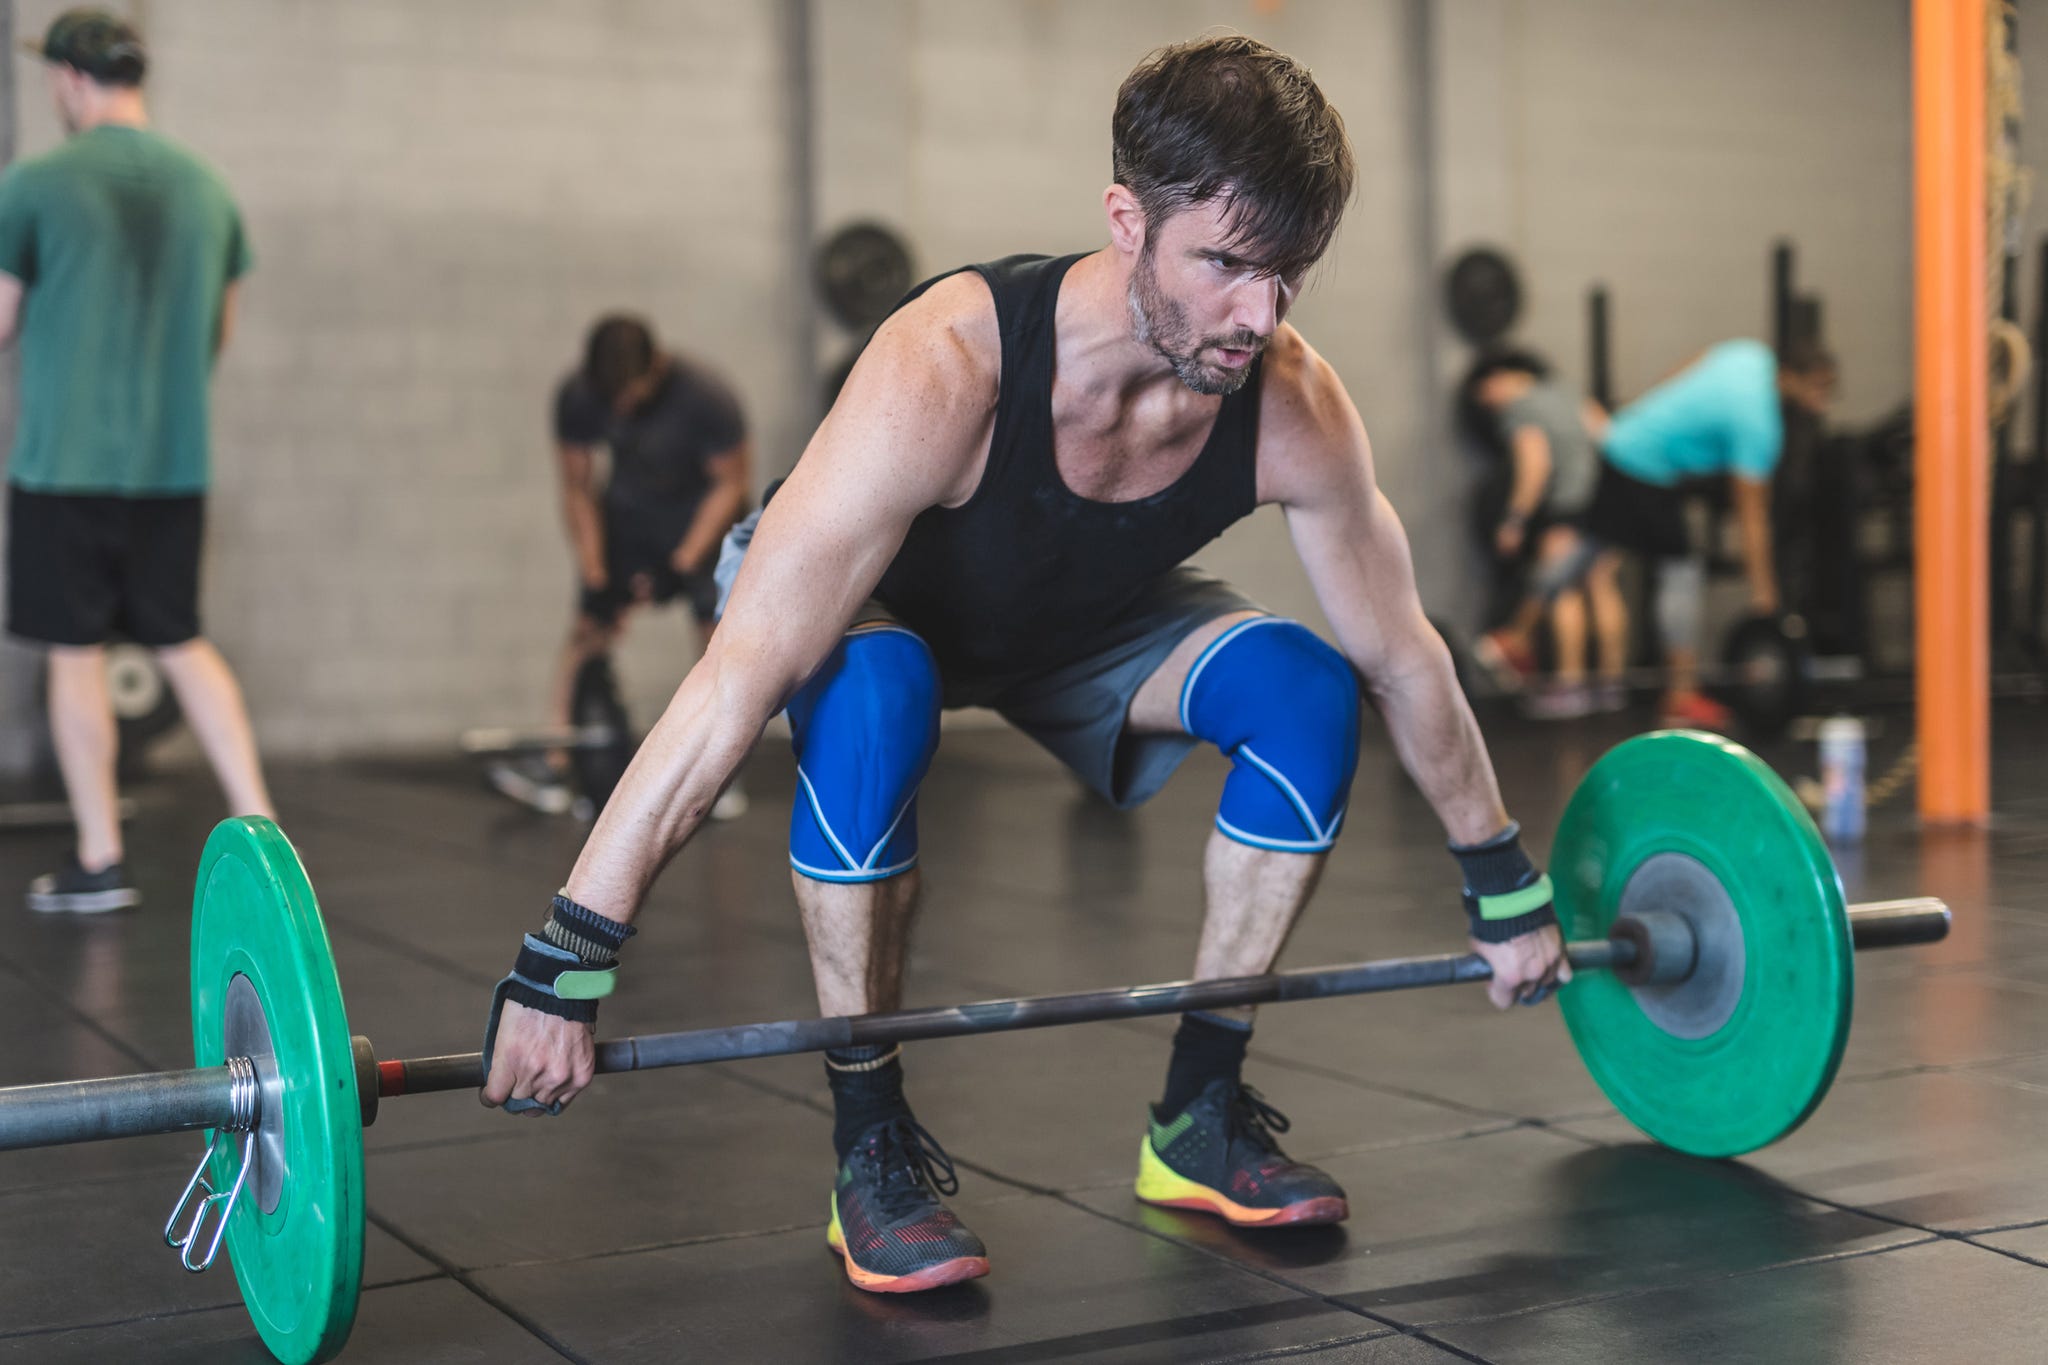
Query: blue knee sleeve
[1284, 706]
[864, 728]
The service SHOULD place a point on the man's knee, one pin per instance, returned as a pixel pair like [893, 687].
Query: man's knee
[864, 728]
[1284, 706]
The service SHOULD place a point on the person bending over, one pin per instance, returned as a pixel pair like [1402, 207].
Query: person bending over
[1719, 417]
[119, 257]
[1549, 435]
[650, 532]
[996, 512]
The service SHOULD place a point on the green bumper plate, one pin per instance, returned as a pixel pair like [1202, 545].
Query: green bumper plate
[300, 1265]
[1761, 1072]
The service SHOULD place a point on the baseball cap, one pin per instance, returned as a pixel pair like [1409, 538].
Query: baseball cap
[101, 45]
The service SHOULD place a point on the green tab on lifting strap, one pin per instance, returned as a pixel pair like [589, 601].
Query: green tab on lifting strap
[1534, 896]
[575, 985]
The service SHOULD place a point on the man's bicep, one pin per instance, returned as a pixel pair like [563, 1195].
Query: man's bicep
[577, 464]
[729, 465]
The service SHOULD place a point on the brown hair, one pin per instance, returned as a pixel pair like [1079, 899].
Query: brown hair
[1229, 118]
[619, 351]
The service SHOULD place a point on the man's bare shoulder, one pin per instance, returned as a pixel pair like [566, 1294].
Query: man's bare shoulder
[950, 328]
[1302, 390]
[1309, 430]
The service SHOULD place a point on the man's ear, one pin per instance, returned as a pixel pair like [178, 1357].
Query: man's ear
[1126, 220]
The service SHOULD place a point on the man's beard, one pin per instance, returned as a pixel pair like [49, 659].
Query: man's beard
[1161, 323]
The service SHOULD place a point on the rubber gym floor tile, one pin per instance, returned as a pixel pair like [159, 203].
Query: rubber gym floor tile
[1942, 1301]
[2030, 1242]
[1384, 1349]
[1511, 1221]
[1448, 1043]
[1951, 1151]
[1942, 1019]
[1065, 1108]
[433, 1322]
[1065, 1286]
[93, 1252]
[612, 1173]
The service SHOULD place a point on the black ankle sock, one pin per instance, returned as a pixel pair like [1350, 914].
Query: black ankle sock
[1207, 1046]
[867, 1087]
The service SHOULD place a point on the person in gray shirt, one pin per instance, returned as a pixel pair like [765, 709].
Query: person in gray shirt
[1550, 435]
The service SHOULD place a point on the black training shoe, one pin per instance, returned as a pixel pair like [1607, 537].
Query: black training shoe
[887, 1220]
[82, 892]
[1219, 1156]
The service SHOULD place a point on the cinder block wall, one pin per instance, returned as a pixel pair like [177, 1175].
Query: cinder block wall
[441, 197]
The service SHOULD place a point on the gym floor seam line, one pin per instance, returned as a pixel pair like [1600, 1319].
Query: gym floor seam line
[644, 1248]
[2021, 1257]
[1273, 1277]
[447, 966]
[105, 1034]
[490, 1300]
[1309, 1347]
[1138, 1334]
[231, 1306]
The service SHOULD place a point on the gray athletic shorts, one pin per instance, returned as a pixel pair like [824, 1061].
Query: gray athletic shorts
[1080, 710]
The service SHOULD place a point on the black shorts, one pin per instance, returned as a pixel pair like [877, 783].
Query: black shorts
[1632, 515]
[640, 542]
[83, 567]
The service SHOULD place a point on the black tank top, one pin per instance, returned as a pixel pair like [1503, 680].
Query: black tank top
[1022, 576]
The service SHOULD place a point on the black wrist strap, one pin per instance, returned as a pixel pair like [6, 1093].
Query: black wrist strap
[1505, 894]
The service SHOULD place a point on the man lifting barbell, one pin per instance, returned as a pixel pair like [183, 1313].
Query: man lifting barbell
[995, 512]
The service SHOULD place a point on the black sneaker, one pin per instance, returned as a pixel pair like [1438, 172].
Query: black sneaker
[887, 1220]
[1219, 1156]
[81, 892]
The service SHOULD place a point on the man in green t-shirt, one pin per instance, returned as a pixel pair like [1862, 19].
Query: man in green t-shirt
[119, 252]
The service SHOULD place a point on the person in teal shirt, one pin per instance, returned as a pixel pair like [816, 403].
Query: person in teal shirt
[119, 254]
[1719, 417]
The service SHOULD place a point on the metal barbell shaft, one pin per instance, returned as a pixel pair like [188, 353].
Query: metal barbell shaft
[177, 1101]
[115, 1107]
[1888, 923]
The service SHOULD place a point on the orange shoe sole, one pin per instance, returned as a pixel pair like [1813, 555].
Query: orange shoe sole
[1301, 1213]
[931, 1277]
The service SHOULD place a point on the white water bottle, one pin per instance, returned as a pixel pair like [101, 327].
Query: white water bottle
[1841, 779]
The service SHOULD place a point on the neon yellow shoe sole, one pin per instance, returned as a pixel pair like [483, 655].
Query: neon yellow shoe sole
[1160, 1184]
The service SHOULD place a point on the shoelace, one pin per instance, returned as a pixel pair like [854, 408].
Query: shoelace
[1249, 1117]
[913, 1165]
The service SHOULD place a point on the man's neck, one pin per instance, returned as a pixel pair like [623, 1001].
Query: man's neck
[119, 109]
[1094, 324]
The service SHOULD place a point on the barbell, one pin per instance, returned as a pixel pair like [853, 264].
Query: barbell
[1703, 915]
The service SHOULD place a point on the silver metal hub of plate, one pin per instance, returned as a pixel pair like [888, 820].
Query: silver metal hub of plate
[246, 1033]
[1703, 1002]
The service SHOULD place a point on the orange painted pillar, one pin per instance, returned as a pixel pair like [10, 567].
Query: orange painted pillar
[1951, 423]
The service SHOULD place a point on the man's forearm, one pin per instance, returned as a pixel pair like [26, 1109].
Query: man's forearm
[715, 516]
[682, 765]
[1438, 741]
[1758, 560]
[586, 534]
